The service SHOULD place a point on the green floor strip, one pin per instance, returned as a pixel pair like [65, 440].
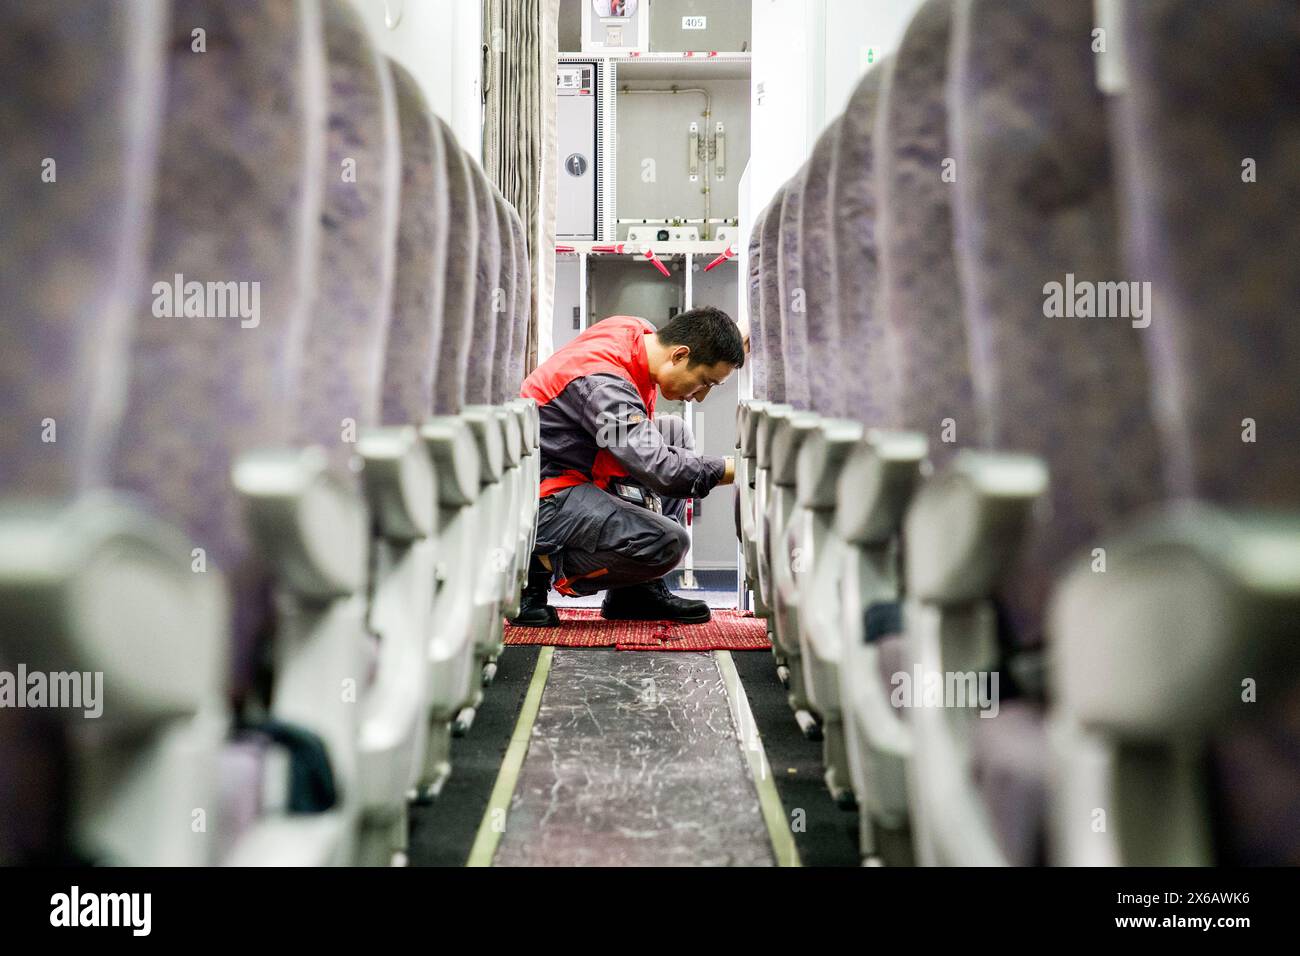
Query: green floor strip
[494, 817]
[778, 827]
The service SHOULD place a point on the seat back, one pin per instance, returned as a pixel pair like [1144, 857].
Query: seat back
[868, 380]
[237, 201]
[1035, 225]
[920, 292]
[503, 303]
[523, 307]
[413, 362]
[459, 278]
[1219, 242]
[770, 300]
[757, 360]
[1224, 343]
[824, 373]
[793, 295]
[80, 104]
[343, 355]
[487, 291]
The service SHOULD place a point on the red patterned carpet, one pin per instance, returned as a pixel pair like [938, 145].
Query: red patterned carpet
[730, 630]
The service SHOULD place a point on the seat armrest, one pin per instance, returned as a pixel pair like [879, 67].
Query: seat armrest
[968, 523]
[747, 413]
[788, 436]
[523, 410]
[535, 417]
[512, 444]
[400, 481]
[767, 419]
[822, 456]
[1189, 603]
[455, 457]
[876, 484]
[97, 585]
[314, 529]
[486, 429]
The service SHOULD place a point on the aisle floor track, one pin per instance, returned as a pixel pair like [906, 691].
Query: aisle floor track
[633, 760]
[443, 833]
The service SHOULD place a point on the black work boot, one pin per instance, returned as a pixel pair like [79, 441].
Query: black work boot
[652, 601]
[533, 609]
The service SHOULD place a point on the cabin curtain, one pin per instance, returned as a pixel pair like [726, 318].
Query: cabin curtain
[521, 46]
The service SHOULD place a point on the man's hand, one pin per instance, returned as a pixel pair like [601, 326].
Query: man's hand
[729, 475]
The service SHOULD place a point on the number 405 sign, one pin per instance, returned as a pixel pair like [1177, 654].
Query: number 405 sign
[695, 23]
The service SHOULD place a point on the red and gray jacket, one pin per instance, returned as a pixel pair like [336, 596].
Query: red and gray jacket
[596, 402]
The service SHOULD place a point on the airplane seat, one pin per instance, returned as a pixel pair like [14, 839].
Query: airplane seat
[1176, 717]
[812, 453]
[80, 101]
[510, 416]
[747, 411]
[339, 411]
[207, 437]
[462, 519]
[920, 308]
[785, 433]
[524, 409]
[498, 440]
[809, 449]
[1064, 407]
[845, 497]
[763, 417]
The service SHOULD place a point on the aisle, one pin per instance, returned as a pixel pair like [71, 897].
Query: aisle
[633, 759]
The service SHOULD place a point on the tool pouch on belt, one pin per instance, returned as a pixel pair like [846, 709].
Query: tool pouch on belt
[637, 495]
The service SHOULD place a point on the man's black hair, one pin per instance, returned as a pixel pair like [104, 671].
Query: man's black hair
[710, 334]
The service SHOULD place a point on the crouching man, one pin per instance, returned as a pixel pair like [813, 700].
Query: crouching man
[614, 479]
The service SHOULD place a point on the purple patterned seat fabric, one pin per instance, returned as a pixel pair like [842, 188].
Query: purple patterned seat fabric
[757, 360]
[487, 290]
[793, 295]
[344, 350]
[770, 299]
[80, 104]
[817, 272]
[237, 200]
[870, 392]
[411, 365]
[523, 307]
[1035, 206]
[1217, 82]
[920, 294]
[503, 303]
[459, 280]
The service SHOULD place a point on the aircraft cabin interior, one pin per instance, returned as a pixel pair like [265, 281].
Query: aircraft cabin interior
[675, 433]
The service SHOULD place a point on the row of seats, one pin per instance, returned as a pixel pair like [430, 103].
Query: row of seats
[947, 473]
[263, 466]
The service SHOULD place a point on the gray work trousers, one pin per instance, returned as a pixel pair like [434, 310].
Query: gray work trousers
[596, 540]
